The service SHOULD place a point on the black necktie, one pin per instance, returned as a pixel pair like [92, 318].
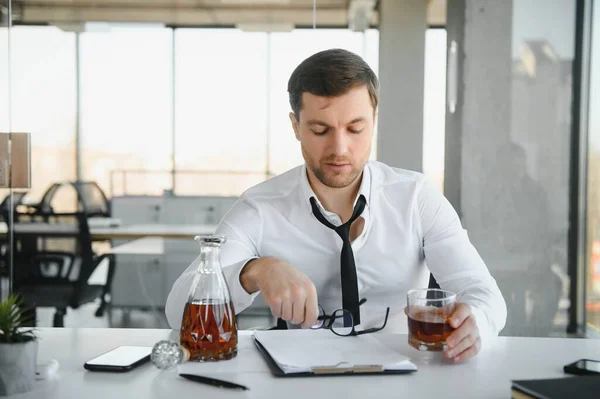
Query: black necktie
[350, 300]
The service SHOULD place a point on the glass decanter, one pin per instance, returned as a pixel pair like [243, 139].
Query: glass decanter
[209, 326]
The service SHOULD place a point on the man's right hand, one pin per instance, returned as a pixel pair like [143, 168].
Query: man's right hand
[289, 293]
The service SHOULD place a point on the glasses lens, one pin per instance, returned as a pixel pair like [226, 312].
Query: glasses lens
[343, 322]
[321, 320]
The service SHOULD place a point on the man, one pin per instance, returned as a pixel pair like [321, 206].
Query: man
[285, 236]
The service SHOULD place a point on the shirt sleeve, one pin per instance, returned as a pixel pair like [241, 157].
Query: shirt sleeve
[241, 227]
[455, 263]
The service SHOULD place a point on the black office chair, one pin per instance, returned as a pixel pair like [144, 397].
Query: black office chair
[5, 205]
[44, 207]
[5, 209]
[92, 199]
[52, 269]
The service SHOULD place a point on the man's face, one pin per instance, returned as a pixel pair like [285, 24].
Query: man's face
[335, 135]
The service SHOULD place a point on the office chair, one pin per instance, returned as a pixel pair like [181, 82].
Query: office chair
[44, 206]
[92, 199]
[5, 205]
[5, 208]
[52, 269]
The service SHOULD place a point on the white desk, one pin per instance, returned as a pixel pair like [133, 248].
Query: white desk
[487, 376]
[118, 232]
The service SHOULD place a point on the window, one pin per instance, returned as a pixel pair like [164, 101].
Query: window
[220, 108]
[4, 108]
[232, 127]
[43, 101]
[434, 106]
[196, 111]
[126, 109]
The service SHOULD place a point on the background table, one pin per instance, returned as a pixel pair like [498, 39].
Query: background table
[488, 375]
[140, 246]
[117, 232]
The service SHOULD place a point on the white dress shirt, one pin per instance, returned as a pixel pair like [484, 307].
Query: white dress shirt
[410, 229]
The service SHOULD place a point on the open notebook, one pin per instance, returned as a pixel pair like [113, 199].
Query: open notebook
[313, 352]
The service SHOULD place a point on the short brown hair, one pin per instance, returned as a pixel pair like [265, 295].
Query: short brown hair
[331, 73]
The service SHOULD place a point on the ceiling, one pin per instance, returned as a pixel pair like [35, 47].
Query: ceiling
[263, 14]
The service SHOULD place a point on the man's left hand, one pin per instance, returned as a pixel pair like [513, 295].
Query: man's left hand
[464, 342]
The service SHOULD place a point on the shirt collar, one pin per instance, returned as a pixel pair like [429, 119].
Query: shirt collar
[307, 191]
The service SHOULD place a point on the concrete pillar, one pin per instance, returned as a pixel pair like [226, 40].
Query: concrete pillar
[507, 149]
[401, 72]
[483, 113]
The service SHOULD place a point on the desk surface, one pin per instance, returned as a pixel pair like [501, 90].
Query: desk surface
[125, 232]
[488, 375]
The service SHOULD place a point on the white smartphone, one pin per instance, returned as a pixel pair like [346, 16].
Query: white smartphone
[123, 358]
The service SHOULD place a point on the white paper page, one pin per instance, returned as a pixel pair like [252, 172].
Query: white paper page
[302, 350]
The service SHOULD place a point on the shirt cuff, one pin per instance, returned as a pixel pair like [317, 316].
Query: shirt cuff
[240, 298]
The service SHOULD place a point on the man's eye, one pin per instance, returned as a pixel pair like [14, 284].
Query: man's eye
[355, 131]
[320, 132]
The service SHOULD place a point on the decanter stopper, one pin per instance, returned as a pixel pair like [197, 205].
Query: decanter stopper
[168, 354]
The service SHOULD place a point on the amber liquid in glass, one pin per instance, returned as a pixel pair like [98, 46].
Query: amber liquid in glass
[428, 331]
[209, 331]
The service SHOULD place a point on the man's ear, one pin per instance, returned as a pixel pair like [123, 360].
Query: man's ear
[295, 125]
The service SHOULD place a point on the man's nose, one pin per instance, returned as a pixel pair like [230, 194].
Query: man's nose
[339, 142]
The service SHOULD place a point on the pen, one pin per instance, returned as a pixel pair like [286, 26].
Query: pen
[214, 382]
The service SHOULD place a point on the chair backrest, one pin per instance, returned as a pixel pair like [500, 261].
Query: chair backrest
[63, 256]
[45, 204]
[17, 198]
[5, 206]
[91, 198]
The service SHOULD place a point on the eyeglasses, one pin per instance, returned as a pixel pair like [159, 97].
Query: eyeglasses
[330, 322]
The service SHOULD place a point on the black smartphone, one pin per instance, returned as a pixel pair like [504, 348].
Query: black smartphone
[583, 367]
[123, 358]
